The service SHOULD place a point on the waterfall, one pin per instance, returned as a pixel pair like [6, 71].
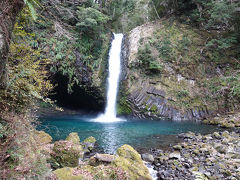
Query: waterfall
[114, 64]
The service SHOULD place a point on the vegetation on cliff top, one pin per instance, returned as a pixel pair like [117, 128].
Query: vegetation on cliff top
[194, 55]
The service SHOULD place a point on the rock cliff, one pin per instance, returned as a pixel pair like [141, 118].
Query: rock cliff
[166, 74]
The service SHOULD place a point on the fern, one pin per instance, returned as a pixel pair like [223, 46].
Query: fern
[30, 4]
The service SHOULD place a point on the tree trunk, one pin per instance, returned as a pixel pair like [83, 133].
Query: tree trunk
[9, 10]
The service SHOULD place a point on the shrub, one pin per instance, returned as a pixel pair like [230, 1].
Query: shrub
[28, 78]
[147, 61]
[20, 157]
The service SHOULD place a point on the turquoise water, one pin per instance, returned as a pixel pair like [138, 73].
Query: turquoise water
[141, 134]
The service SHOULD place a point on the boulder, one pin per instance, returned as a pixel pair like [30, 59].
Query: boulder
[177, 147]
[175, 155]
[66, 154]
[73, 137]
[104, 157]
[101, 159]
[147, 157]
[216, 135]
[89, 143]
[44, 140]
[43, 137]
[87, 172]
[130, 160]
[220, 148]
[66, 174]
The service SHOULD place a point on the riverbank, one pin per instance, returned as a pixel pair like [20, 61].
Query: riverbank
[213, 156]
[228, 120]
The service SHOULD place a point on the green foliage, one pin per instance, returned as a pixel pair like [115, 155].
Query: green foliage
[182, 93]
[127, 14]
[175, 44]
[226, 86]
[164, 47]
[28, 78]
[63, 59]
[147, 61]
[154, 108]
[222, 43]
[76, 41]
[30, 4]
[123, 107]
[91, 20]
[221, 15]
[117, 8]
[20, 154]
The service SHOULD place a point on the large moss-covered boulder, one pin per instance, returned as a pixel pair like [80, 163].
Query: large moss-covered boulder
[130, 160]
[43, 137]
[66, 154]
[67, 174]
[89, 143]
[73, 137]
[100, 172]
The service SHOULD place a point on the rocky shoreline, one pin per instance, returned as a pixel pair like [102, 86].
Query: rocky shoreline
[72, 159]
[195, 156]
[213, 156]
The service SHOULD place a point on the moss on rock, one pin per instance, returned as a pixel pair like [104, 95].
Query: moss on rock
[67, 174]
[89, 143]
[90, 140]
[43, 137]
[66, 154]
[130, 161]
[123, 107]
[89, 172]
[73, 137]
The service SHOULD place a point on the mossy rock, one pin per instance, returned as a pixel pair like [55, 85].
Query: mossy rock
[130, 160]
[73, 137]
[89, 172]
[43, 137]
[89, 143]
[90, 140]
[66, 154]
[67, 174]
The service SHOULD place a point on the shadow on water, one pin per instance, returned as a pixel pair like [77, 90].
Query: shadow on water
[141, 134]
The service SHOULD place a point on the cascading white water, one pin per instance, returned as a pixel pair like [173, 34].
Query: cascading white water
[114, 64]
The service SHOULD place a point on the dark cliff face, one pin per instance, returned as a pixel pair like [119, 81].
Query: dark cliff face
[82, 98]
[124, 59]
[150, 102]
